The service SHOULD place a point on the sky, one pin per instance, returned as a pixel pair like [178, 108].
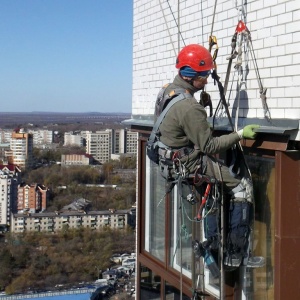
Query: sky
[66, 55]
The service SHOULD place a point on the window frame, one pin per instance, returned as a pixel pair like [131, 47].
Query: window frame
[162, 268]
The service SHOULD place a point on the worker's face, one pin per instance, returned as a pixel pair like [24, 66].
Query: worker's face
[200, 82]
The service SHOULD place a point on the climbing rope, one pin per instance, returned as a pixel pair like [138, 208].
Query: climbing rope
[166, 23]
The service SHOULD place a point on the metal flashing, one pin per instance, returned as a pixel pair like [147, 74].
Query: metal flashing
[275, 126]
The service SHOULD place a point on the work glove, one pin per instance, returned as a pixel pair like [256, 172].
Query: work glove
[248, 131]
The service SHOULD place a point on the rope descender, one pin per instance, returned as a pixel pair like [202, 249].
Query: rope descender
[242, 31]
[213, 43]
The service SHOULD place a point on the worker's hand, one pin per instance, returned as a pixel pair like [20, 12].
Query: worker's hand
[205, 99]
[248, 131]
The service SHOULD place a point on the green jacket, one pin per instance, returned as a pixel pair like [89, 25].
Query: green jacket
[186, 124]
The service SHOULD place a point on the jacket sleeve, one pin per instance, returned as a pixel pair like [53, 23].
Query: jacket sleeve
[197, 128]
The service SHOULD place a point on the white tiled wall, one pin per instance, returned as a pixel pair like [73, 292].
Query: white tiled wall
[274, 27]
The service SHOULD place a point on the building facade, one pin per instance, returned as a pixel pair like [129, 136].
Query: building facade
[110, 143]
[124, 141]
[73, 139]
[118, 141]
[4, 149]
[76, 159]
[99, 145]
[54, 222]
[9, 180]
[131, 142]
[32, 198]
[166, 266]
[5, 135]
[42, 137]
[21, 149]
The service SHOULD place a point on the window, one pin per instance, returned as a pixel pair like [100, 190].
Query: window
[182, 220]
[150, 284]
[257, 283]
[154, 211]
[174, 293]
[260, 282]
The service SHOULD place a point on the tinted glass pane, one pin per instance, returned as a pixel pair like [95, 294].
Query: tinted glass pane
[182, 219]
[172, 293]
[150, 284]
[155, 211]
[259, 282]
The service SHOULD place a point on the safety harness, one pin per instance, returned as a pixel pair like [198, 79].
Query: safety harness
[169, 159]
[156, 149]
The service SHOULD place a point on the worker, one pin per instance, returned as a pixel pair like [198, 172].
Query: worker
[186, 130]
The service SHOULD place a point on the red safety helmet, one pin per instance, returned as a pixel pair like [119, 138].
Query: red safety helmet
[196, 57]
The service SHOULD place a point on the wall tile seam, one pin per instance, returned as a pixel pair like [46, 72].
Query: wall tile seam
[292, 5]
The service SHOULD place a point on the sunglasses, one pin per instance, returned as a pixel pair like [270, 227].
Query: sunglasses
[202, 77]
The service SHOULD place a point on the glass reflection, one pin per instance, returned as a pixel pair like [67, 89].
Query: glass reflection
[150, 284]
[182, 220]
[172, 293]
[259, 283]
[155, 211]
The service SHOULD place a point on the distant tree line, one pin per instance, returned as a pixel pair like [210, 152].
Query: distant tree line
[35, 261]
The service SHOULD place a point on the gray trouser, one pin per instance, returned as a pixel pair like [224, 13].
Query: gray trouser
[239, 188]
[217, 170]
[213, 168]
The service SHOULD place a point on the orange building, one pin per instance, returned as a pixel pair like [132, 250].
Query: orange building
[32, 198]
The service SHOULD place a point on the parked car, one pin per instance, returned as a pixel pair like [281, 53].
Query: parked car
[116, 258]
[129, 263]
[98, 294]
[123, 269]
[125, 255]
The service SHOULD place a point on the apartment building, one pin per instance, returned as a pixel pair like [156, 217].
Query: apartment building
[57, 221]
[76, 159]
[32, 198]
[107, 144]
[166, 265]
[21, 149]
[131, 142]
[118, 141]
[42, 137]
[9, 179]
[124, 141]
[99, 145]
[5, 198]
[4, 149]
[5, 135]
[73, 139]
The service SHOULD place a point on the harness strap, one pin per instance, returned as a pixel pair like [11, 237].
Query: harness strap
[168, 153]
[163, 114]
